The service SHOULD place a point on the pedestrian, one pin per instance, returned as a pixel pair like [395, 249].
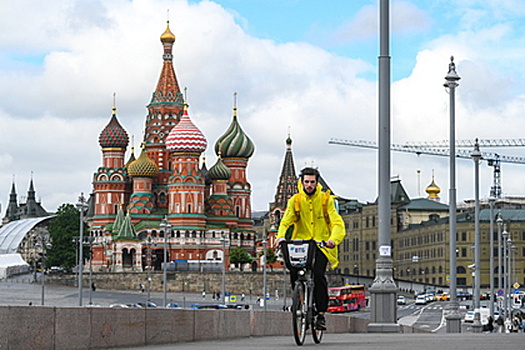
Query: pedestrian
[490, 324]
[93, 287]
[313, 214]
[508, 325]
[203, 294]
[499, 322]
[242, 297]
[141, 288]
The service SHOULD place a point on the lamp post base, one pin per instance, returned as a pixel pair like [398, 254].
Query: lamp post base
[453, 319]
[383, 295]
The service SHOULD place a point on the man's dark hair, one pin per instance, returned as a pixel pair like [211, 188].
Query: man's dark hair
[310, 171]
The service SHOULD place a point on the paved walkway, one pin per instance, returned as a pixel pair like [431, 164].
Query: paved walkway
[484, 341]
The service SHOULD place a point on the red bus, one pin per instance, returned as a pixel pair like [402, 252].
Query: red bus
[346, 298]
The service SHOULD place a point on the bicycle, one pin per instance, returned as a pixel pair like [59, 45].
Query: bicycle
[300, 256]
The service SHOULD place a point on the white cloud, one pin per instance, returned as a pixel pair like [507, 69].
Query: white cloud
[52, 114]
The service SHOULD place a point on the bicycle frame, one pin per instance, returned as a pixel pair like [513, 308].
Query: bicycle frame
[299, 257]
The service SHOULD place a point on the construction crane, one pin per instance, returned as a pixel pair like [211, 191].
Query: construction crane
[434, 149]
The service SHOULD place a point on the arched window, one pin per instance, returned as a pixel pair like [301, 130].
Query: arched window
[461, 269]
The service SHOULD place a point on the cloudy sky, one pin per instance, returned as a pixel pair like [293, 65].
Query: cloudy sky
[300, 65]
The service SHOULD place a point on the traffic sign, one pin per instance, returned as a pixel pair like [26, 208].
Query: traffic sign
[516, 291]
[500, 292]
[516, 285]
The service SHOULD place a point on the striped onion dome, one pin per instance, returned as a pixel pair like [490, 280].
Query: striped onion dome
[143, 166]
[219, 171]
[234, 143]
[185, 136]
[113, 135]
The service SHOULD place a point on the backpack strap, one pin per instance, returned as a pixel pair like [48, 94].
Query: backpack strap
[326, 196]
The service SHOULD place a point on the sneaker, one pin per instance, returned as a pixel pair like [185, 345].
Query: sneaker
[320, 323]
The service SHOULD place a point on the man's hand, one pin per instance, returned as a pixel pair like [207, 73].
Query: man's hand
[277, 242]
[330, 244]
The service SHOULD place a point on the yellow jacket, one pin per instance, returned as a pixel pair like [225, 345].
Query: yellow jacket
[311, 223]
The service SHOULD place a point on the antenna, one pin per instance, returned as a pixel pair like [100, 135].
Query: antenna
[186, 93]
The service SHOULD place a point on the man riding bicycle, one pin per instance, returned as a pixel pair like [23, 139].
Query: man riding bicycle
[314, 216]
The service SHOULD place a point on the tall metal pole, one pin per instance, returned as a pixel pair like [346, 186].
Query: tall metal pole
[223, 238]
[383, 290]
[264, 273]
[45, 244]
[165, 225]
[452, 314]
[149, 268]
[476, 326]
[499, 221]
[81, 206]
[90, 269]
[505, 235]
[491, 265]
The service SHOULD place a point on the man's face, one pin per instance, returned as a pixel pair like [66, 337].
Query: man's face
[309, 184]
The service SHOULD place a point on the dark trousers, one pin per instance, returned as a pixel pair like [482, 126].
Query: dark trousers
[321, 286]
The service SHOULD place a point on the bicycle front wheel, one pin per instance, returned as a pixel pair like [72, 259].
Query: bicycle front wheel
[317, 334]
[299, 313]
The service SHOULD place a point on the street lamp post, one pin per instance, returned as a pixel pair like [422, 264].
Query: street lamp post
[265, 243]
[505, 236]
[91, 238]
[165, 225]
[81, 205]
[148, 244]
[476, 157]
[45, 244]
[223, 239]
[491, 302]
[499, 222]
[452, 316]
[383, 317]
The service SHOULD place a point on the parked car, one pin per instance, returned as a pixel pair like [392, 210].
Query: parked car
[442, 297]
[194, 306]
[147, 304]
[173, 306]
[401, 300]
[119, 306]
[469, 317]
[421, 300]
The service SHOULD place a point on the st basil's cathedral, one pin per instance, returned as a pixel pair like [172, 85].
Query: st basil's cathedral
[208, 212]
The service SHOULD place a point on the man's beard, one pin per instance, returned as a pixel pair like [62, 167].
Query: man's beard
[310, 192]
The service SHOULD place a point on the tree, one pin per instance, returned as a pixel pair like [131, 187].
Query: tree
[62, 230]
[271, 257]
[239, 257]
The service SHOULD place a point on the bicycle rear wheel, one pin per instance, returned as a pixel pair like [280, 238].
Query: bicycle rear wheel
[299, 313]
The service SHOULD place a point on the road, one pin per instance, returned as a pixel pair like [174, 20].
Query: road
[21, 291]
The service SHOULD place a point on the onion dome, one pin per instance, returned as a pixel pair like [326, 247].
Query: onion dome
[113, 135]
[219, 171]
[185, 136]
[167, 36]
[131, 157]
[433, 190]
[143, 166]
[204, 172]
[289, 141]
[234, 143]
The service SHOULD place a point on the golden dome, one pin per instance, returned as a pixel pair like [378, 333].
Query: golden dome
[143, 166]
[167, 36]
[433, 190]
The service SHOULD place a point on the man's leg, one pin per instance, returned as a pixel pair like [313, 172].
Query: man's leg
[320, 288]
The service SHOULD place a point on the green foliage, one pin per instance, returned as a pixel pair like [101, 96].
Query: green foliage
[271, 257]
[239, 257]
[62, 230]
